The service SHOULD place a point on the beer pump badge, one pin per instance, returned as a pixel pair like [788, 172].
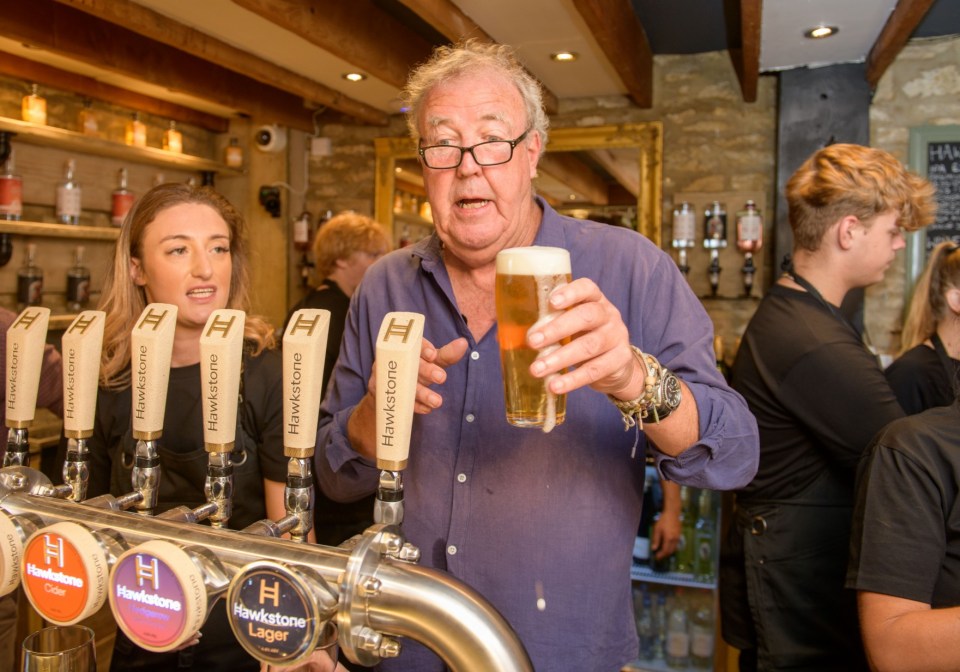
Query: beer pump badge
[64, 573]
[272, 613]
[157, 596]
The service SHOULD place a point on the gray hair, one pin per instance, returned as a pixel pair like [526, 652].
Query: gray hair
[449, 62]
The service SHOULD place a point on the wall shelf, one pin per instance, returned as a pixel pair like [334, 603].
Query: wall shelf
[49, 230]
[51, 136]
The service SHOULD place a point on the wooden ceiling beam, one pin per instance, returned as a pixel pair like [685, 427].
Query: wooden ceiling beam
[903, 20]
[450, 21]
[620, 35]
[32, 71]
[357, 31]
[174, 34]
[570, 171]
[745, 47]
[625, 172]
[45, 24]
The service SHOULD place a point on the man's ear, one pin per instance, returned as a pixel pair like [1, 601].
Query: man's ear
[136, 272]
[847, 230]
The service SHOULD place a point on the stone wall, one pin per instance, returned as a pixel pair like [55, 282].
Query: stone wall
[921, 88]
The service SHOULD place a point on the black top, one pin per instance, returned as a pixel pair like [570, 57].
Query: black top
[906, 527]
[920, 381]
[818, 394]
[327, 296]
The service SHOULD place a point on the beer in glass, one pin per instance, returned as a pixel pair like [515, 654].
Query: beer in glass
[525, 278]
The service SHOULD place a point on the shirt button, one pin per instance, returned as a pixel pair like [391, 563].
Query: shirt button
[471, 417]
[474, 355]
[461, 478]
[451, 550]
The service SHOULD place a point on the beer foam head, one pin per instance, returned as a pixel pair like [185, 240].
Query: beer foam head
[533, 260]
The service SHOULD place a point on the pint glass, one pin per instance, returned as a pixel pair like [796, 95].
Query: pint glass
[525, 278]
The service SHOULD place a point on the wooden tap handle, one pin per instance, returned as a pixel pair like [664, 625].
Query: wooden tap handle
[398, 365]
[304, 350]
[26, 339]
[151, 346]
[81, 346]
[221, 356]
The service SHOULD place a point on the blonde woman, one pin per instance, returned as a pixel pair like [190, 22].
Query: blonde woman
[186, 246]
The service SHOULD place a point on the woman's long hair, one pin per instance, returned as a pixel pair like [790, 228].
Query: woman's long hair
[928, 307]
[124, 301]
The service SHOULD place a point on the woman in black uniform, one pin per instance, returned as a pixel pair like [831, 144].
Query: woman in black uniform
[186, 246]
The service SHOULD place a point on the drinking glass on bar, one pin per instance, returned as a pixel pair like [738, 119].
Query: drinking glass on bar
[68, 648]
[525, 278]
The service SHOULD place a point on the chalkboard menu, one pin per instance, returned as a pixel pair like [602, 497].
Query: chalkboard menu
[943, 170]
[935, 153]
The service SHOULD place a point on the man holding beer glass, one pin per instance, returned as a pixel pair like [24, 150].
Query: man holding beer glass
[542, 523]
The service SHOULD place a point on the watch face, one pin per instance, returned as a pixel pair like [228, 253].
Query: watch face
[671, 391]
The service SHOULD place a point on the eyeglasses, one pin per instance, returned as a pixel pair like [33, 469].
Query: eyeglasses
[490, 153]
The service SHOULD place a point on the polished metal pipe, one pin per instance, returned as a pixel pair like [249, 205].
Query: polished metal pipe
[379, 594]
[76, 470]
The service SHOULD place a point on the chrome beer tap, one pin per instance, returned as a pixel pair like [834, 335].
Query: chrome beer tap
[81, 345]
[152, 349]
[304, 347]
[26, 339]
[397, 363]
[221, 353]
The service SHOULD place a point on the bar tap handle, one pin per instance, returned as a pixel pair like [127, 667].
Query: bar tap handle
[304, 348]
[81, 346]
[151, 351]
[26, 339]
[397, 364]
[221, 356]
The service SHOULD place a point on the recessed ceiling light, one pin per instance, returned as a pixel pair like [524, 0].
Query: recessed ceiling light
[572, 197]
[564, 56]
[821, 31]
[354, 76]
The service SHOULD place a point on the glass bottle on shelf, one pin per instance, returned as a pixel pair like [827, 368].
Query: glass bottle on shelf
[233, 154]
[678, 631]
[641, 545]
[69, 196]
[705, 538]
[29, 280]
[87, 120]
[702, 633]
[715, 239]
[135, 134]
[660, 618]
[11, 191]
[645, 629]
[684, 234]
[173, 139]
[78, 283]
[34, 107]
[684, 555]
[121, 199]
[749, 241]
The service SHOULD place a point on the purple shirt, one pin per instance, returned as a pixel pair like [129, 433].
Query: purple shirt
[520, 515]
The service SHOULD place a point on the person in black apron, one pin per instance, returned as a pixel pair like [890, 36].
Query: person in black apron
[819, 397]
[186, 246]
[927, 371]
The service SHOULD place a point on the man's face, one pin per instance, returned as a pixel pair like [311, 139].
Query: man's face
[479, 210]
[877, 244]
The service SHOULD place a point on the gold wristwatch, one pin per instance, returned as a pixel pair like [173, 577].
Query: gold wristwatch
[660, 396]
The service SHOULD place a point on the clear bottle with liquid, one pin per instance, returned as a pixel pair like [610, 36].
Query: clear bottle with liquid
[678, 631]
[173, 139]
[645, 626]
[69, 195]
[11, 191]
[233, 154]
[684, 233]
[749, 228]
[715, 226]
[33, 108]
[135, 133]
[29, 280]
[684, 555]
[705, 539]
[87, 120]
[702, 633]
[121, 199]
[78, 283]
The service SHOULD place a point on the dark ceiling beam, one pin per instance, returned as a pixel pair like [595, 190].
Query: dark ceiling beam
[357, 31]
[165, 30]
[32, 71]
[745, 46]
[45, 24]
[904, 19]
[450, 21]
[625, 171]
[571, 172]
[620, 35]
